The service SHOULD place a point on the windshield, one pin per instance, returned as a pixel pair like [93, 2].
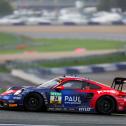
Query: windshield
[14, 88]
[49, 84]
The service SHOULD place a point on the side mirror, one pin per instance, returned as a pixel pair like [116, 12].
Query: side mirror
[59, 88]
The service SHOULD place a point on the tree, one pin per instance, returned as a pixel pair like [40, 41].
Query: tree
[108, 4]
[104, 5]
[5, 8]
[121, 4]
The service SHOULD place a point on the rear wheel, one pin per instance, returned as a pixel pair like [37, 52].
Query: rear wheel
[105, 105]
[33, 102]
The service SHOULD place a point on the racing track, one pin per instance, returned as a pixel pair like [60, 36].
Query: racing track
[81, 32]
[61, 119]
[66, 119]
[81, 35]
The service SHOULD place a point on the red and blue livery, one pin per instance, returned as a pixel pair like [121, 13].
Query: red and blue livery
[68, 93]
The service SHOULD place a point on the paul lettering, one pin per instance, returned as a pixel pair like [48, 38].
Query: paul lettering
[72, 99]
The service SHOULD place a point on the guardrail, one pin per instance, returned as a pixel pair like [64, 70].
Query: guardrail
[34, 75]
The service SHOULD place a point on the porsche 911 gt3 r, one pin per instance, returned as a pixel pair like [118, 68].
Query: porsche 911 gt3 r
[74, 94]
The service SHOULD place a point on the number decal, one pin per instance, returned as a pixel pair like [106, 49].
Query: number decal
[55, 98]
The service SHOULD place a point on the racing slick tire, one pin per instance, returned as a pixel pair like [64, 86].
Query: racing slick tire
[105, 105]
[33, 102]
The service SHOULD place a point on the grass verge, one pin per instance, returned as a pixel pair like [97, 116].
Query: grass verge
[1, 90]
[84, 61]
[3, 69]
[72, 44]
[11, 43]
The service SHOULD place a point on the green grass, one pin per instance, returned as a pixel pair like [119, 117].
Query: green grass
[9, 38]
[6, 38]
[70, 44]
[3, 69]
[84, 61]
[9, 42]
[1, 90]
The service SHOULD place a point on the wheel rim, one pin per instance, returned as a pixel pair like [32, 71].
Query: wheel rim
[33, 102]
[106, 106]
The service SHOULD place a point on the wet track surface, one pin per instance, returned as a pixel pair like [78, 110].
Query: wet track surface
[61, 119]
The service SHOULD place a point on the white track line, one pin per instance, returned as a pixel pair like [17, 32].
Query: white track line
[24, 125]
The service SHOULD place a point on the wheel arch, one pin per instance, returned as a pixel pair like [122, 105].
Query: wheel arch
[105, 96]
[34, 92]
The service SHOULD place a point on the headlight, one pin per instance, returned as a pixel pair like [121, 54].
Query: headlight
[18, 92]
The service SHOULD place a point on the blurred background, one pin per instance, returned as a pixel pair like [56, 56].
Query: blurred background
[42, 39]
[59, 12]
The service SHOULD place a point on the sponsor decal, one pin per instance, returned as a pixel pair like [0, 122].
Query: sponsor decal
[121, 103]
[55, 98]
[120, 108]
[45, 98]
[5, 104]
[106, 91]
[85, 109]
[55, 109]
[12, 105]
[6, 97]
[58, 109]
[72, 100]
[51, 109]
[71, 109]
[11, 101]
[16, 98]
[65, 109]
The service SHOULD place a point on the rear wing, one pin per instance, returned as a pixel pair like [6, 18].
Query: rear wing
[118, 83]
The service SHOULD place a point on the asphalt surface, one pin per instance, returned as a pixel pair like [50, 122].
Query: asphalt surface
[73, 35]
[108, 32]
[61, 119]
[22, 118]
[7, 80]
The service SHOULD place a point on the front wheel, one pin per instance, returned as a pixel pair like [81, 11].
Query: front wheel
[33, 102]
[105, 105]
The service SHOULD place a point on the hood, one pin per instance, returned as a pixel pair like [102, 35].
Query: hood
[8, 92]
[14, 89]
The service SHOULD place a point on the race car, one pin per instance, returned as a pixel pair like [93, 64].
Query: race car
[70, 94]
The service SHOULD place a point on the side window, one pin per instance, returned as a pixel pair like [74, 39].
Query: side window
[93, 86]
[90, 86]
[73, 85]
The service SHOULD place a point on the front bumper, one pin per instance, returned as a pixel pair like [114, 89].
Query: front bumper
[7, 102]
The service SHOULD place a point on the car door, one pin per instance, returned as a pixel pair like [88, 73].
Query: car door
[71, 95]
[74, 97]
[90, 91]
[77, 95]
[69, 98]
